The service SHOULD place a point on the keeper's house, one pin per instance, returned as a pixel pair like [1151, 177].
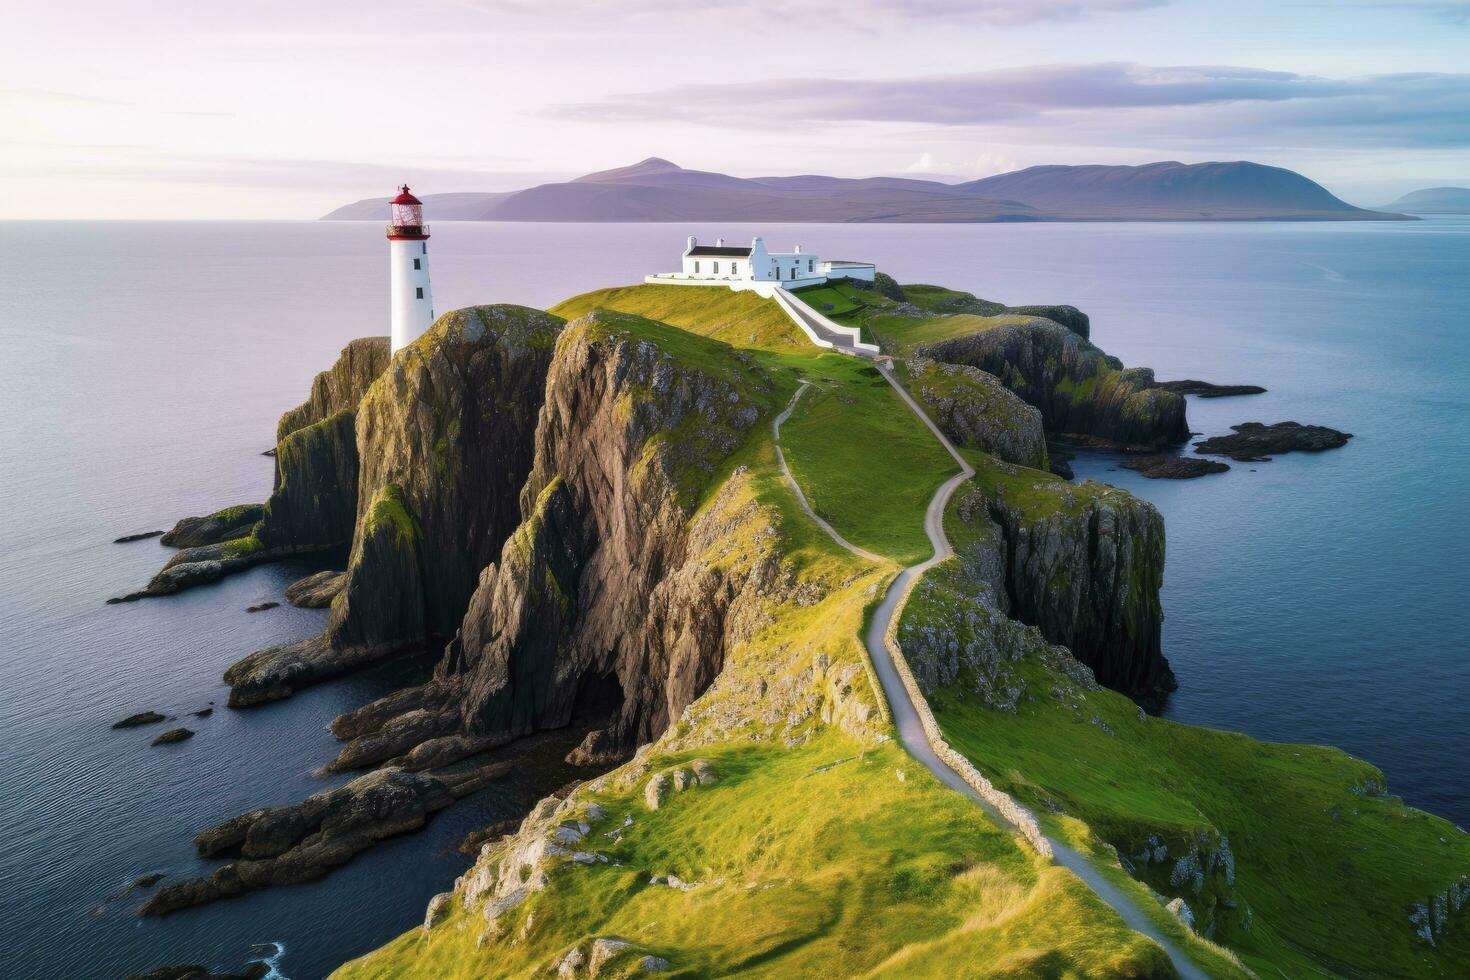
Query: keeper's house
[755, 268]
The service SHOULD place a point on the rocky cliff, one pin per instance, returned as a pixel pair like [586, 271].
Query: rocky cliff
[603, 605]
[1080, 390]
[444, 436]
[339, 387]
[1083, 564]
[977, 411]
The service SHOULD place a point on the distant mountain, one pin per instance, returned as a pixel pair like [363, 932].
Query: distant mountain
[657, 190]
[1172, 191]
[1434, 200]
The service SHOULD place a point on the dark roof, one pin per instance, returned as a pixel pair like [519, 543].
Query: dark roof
[720, 250]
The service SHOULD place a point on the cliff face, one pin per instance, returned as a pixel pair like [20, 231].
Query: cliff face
[449, 428]
[604, 604]
[1079, 389]
[444, 437]
[977, 411]
[339, 387]
[1082, 564]
[314, 505]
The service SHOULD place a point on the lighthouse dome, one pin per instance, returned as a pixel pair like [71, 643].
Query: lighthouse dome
[404, 197]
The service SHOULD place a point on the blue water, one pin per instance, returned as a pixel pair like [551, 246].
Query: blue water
[1314, 598]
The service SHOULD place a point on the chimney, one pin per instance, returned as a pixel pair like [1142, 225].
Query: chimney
[719, 241]
[692, 242]
[798, 250]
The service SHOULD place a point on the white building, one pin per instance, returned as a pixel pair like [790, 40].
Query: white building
[411, 301]
[754, 267]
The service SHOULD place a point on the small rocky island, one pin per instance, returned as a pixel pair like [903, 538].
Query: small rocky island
[1255, 442]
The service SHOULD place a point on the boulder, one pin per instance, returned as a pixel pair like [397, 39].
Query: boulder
[656, 791]
[316, 591]
[173, 735]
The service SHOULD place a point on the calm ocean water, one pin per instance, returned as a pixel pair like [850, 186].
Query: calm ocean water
[1313, 598]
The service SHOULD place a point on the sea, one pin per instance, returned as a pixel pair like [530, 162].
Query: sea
[1315, 598]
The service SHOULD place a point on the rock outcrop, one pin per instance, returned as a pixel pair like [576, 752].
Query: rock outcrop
[341, 386]
[1165, 467]
[977, 411]
[1068, 316]
[1205, 389]
[1256, 442]
[314, 505]
[444, 436]
[222, 525]
[1083, 564]
[302, 842]
[603, 604]
[316, 591]
[1080, 390]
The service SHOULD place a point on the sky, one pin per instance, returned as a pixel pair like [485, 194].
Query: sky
[271, 109]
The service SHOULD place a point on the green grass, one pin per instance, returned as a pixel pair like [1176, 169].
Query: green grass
[833, 299]
[740, 319]
[816, 861]
[1326, 865]
[865, 462]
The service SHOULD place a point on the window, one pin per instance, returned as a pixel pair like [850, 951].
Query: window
[416, 264]
[716, 267]
[696, 267]
[811, 264]
[419, 292]
[424, 248]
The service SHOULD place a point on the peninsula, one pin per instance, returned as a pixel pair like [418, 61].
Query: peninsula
[786, 544]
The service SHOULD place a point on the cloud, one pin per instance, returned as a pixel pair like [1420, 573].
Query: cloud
[995, 12]
[1096, 104]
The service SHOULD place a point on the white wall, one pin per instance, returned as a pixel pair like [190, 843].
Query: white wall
[411, 314]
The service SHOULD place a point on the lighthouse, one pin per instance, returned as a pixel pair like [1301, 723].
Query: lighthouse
[411, 300]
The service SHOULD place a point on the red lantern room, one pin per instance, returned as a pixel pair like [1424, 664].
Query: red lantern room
[406, 217]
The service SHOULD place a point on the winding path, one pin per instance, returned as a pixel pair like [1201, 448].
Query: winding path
[906, 715]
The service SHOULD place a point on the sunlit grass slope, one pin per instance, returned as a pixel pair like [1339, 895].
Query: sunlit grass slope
[1319, 871]
[866, 464]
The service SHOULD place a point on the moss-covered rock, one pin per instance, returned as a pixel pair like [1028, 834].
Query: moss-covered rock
[1068, 316]
[1083, 564]
[1079, 389]
[341, 386]
[223, 525]
[976, 411]
[314, 506]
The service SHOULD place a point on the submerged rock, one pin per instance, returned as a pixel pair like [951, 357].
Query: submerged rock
[261, 607]
[193, 971]
[1173, 467]
[173, 735]
[1257, 442]
[141, 536]
[302, 842]
[1206, 390]
[316, 591]
[141, 718]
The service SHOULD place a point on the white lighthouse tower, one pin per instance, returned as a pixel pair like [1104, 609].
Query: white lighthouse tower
[412, 301]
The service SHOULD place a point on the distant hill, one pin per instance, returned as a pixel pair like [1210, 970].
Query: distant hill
[1172, 191]
[657, 190]
[1434, 200]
